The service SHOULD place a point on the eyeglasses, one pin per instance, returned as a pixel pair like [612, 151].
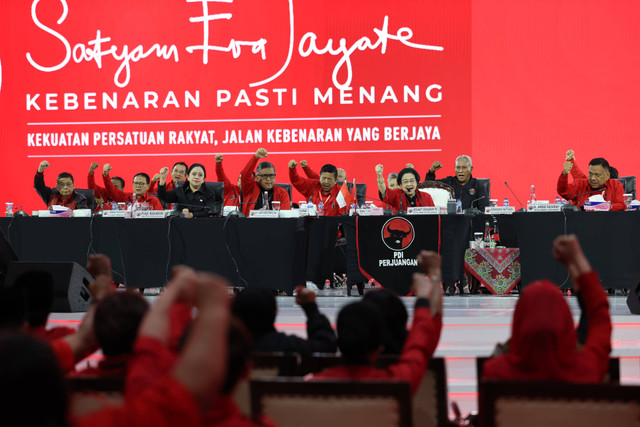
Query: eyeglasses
[408, 181]
[267, 176]
[140, 184]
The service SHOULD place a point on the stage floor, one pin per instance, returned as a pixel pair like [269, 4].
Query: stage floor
[473, 324]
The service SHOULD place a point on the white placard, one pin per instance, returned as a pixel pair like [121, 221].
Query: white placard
[263, 214]
[148, 214]
[544, 207]
[82, 213]
[426, 210]
[113, 214]
[499, 210]
[226, 210]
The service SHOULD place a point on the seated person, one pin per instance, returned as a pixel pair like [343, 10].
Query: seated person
[178, 174]
[576, 172]
[265, 180]
[63, 194]
[392, 181]
[115, 324]
[257, 309]
[395, 318]
[102, 198]
[140, 195]
[408, 193]
[232, 193]
[39, 288]
[543, 344]
[360, 341]
[192, 197]
[466, 187]
[28, 371]
[598, 182]
[326, 189]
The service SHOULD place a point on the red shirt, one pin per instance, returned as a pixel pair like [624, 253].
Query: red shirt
[418, 349]
[398, 200]
[99, 193]
[553, 355]
[311, 174]
[232, 193]
[251, 189]
[311, 189]
[612, 192]
[123, 196]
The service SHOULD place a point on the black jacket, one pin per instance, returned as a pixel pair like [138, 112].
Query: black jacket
[202, 203]
[468, 193]
[45, 192]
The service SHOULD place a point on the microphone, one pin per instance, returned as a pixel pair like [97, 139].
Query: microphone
[574, 207]
[514, 195]
[474, 211]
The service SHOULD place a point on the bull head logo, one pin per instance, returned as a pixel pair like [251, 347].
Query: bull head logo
[397, 234]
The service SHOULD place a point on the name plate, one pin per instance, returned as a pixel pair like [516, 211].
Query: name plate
[538, 207]
[113, 214]
[363, 212]
[228, 209]
[426, 210]
[148, 214]
[263, 214]
[499, 210]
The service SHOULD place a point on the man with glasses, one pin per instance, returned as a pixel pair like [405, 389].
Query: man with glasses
[324, 189]
[253, 188]
[465, 186]
[407, 195]
[63, 194]
[598, 182]
[140, 195]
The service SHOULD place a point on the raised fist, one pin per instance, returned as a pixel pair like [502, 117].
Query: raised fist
[292, 164]
[303, 163]
[409, 165]
[93, 167]
[106, 169]
[435, 166]
[379, 169]
[569, 155]
[567, 167]
[164, 172]
[218, 158]
[261, 152]
[43, 165]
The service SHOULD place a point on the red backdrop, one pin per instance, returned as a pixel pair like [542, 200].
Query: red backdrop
[513, 84]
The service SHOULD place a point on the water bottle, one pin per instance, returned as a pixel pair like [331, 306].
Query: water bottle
[487, 234]
[353, 209]
[265, 201]
[458, 206]
[496, 233]
[9, 210]
[320, 208]
[532, 196]
[505, 202]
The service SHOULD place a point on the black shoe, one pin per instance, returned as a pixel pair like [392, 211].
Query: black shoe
[461, 288]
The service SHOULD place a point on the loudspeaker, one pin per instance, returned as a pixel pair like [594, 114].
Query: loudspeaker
[70, 281]
[633, 299]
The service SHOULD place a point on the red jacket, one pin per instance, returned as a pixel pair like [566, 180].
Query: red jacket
[123, 196]
[99, 193]
[251, 190]
[311, 189]
[153, 186]
[553, 355]
[398, 200]
[612, 192]
[311, 174]
[232, 193]
[418, 349]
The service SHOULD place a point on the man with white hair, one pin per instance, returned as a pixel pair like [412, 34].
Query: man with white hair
[466, 187]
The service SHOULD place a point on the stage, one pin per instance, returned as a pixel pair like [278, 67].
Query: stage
[473, 324]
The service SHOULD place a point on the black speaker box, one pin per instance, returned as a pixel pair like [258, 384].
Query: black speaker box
[633, 299]
[70, 281]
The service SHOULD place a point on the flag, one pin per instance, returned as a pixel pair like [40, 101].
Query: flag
[344, 197]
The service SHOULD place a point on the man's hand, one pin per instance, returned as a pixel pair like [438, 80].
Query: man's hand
[303, 163]
[435, 166]
[567, 168]
[379, 170]
[304, 296]
[186, 213]
[93, 167]
[99, 200]
[409, 165]
[100, 288]
[155, 177]
[569, 155]
[218, 158]
[422, 287]
[106, 169]
[164, 172]
[211, 290]
[43, 165]
[99, 265]
[430, 262]
[261, 153]
[292, 164]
